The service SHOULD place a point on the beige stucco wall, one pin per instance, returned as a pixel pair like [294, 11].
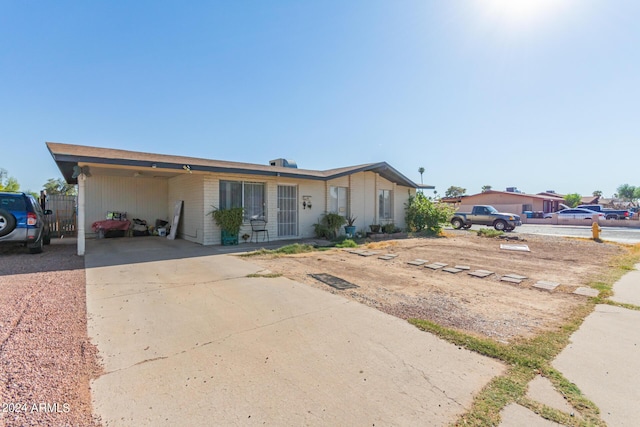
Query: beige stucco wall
[139, 197]
[363, 198]
[315, 190]
[190, 189]
[155, 198]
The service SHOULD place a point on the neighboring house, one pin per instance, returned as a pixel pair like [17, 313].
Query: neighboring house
[615, 203]
[147, 185]
[584, 200]
[511, 202]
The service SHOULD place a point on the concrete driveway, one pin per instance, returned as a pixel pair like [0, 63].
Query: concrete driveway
[187, 338]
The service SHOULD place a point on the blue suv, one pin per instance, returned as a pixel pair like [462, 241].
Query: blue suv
[22, 221]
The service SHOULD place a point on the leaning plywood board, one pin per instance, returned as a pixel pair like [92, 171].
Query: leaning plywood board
[176, 220]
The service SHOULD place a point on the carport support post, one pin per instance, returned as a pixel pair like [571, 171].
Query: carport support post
[81, 179]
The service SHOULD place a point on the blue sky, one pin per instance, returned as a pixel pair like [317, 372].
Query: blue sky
[536, 94]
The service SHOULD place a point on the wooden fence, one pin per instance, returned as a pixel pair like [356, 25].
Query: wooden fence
[62, 221]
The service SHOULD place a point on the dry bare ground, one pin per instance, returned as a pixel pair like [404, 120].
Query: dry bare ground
[484, 307]
[46, 359]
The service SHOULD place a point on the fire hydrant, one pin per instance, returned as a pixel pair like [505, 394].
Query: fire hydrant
[595, 229]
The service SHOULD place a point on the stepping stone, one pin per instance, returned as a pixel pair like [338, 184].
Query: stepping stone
[462, 267]
[436, 265]
[587, 292]
[481, 273]
[333, 281]
[515, 276]
[358, 251]
[547, 286]
[388, 257]
[418, 262]
[452, 270]
[522, 248]
[510, 280]
[368, 253]
[351, 250]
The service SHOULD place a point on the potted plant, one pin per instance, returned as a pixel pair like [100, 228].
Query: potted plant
[229, 221]
[350, 229]
[329, 225]
[375, 228]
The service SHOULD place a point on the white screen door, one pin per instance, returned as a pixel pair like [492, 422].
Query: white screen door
[287, 210]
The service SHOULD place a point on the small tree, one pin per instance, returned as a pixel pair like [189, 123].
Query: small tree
[486, 188]
[422, 214]
[59, 186]
[572, 200]
[629, 193]
[597, 193]
[8, 183]
[454, 191]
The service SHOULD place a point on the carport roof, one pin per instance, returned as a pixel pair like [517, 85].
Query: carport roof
[67, 156]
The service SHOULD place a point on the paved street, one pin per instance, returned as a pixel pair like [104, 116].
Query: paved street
[613, 234]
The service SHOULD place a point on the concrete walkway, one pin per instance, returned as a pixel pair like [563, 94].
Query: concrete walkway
[603, 360]
[188, 339]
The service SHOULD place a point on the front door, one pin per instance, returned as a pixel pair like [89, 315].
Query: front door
[287, 211]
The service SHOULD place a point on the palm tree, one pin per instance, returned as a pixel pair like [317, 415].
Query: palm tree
[421, 171]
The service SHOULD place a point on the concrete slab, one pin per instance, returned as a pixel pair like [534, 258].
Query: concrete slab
[587, 292]
[603, 360]
[418, 262]
[521, 248]
[388, 257]
[462, 267]
[481, 273]
[514, 415]
[358, 251]
[452, 270]
[627, 289]
[190, 340]
[510, 280]
[542, 390]
[515, 276]
[546, 286]
[436, 265]
[368, 253]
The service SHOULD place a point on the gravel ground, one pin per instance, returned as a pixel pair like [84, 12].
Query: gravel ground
[46, 359]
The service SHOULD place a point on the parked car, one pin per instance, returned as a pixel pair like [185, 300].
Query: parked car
[609, 213]
[486, 215]
[576, 213]
[22, 221]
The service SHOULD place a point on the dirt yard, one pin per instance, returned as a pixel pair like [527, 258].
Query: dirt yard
[46, 358]
[485, 307]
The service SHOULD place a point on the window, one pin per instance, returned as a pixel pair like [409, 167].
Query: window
[247, 195]
[338, 200]
[384, 205]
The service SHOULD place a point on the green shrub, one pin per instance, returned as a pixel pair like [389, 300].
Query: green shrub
[295, 248]
[489, 232]
[329, 225]
[389, 228]
[347, 243]
[229, 220]
[422, 214]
